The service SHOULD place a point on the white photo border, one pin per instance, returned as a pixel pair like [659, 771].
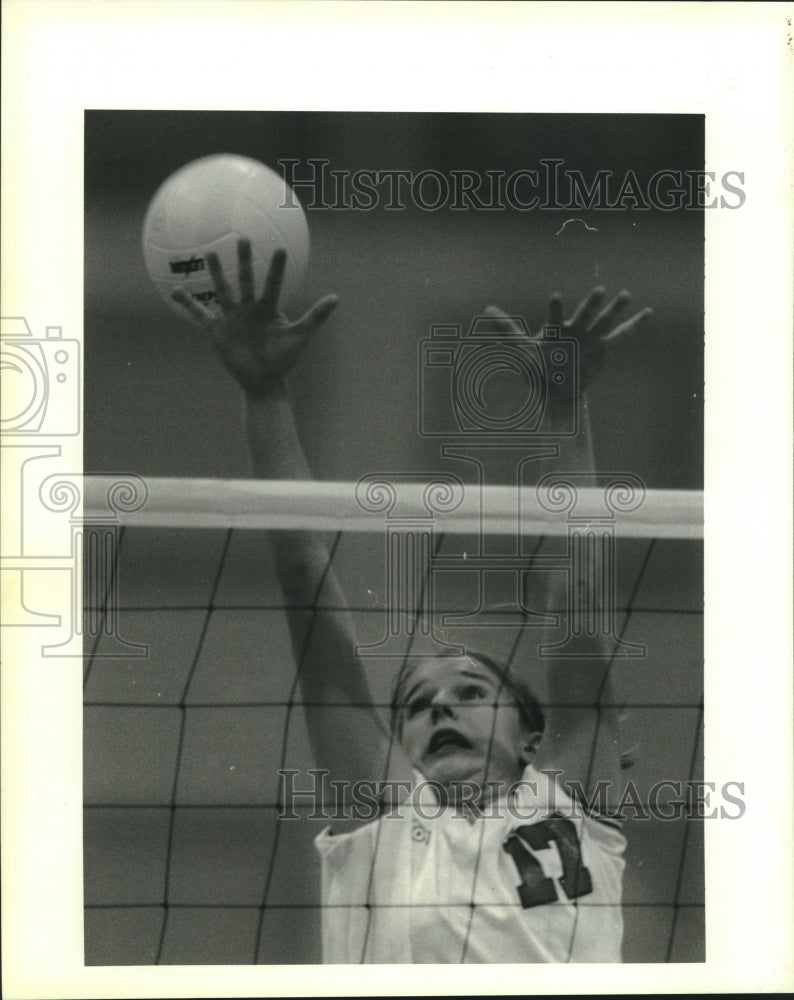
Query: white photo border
[730, 62]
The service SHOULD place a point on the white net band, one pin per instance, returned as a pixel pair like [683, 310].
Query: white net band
[337, 506]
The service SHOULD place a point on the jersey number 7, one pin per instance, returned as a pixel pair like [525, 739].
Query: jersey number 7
[535, 889]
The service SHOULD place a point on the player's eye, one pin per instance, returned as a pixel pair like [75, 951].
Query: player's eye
[472, 692]
[416, 706]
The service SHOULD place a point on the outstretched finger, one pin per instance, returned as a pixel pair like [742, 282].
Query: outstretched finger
[501, 322]
[273, 281]
[630, 324]
[199, 312]
[245, 271]
[586, 309]
[316, 316]
[605, 320]
[222, 290]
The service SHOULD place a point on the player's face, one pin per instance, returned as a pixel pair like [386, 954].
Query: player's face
[460, 724]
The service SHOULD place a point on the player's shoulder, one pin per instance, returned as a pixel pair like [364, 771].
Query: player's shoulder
[604, 835]
[368, 833]
[338, 844]
[591, 815]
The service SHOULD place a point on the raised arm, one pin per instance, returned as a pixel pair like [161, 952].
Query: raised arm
[259, 345]
[582, 736]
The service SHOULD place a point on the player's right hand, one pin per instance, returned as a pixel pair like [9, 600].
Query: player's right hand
[257, 343]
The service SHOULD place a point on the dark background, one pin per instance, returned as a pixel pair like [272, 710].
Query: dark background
[158, 404]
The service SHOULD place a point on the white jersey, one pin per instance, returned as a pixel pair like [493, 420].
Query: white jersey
[536, 882]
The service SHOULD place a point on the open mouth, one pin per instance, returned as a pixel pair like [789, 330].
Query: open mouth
[447, 739]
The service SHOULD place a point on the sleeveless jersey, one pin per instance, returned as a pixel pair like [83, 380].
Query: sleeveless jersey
[532, 880]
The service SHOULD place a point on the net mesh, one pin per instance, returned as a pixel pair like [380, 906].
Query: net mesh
[192, 707]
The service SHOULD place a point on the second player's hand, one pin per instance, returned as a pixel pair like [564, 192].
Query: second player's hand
[256, 342]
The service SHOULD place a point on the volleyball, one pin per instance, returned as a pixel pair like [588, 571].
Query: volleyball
[209, 205]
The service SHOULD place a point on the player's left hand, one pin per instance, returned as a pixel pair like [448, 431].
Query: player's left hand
[594, 326]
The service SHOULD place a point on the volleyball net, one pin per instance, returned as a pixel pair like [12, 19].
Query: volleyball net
[192, 707]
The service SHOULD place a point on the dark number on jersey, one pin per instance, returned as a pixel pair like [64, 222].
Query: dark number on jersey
[535, 889]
